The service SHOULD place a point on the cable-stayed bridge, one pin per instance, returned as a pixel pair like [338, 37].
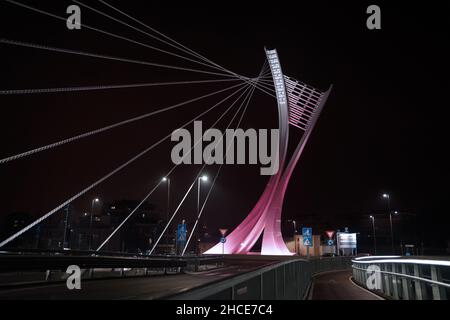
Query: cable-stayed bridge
[299, 106]
[235, 268]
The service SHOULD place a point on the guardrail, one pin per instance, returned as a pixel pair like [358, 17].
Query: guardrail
[404, 278]
[289, 279]
[32, 268]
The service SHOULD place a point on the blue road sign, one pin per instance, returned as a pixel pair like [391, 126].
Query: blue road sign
[307, 237]
[181, 232]
[223, 240]
[330, 242]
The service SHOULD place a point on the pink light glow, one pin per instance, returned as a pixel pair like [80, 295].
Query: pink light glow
[266, 214]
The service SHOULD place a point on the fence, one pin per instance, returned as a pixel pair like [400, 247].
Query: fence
[404, 278]
[284, 280]
[33, 268]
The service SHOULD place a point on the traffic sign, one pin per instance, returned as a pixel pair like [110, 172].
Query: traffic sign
[330, 242]
[223, 240]
[330, 234]
[307, 237]
[181, 232]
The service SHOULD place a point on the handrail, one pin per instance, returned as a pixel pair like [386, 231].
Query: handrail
[55, 262]
[364, 268]
[408, 276]
[409, 261]
[220, 285]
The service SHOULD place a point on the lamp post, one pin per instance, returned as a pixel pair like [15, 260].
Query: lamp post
[374, 236]
[66, 225]
[167, 180]
[94, 201]
[203, 178]
[223, 239]
[294, 224]
[388, 198]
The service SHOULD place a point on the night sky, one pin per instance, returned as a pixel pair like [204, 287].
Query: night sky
[383, 128]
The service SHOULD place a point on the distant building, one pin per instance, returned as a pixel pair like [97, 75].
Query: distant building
[72, 230]
[136, 236]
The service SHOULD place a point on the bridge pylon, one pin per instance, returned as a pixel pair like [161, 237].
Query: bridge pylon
[299, 105]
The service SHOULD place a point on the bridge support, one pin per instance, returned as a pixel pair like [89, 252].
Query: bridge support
[300, 106]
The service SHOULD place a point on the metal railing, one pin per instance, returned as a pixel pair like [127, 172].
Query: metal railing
[288, 279]
[404, 278]
[33, 268]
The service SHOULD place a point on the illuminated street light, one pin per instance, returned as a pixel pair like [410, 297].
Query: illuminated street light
[374, 236]
[203, 178]
[94, 201]
[166, 179]
[388, 197]
[294, 225]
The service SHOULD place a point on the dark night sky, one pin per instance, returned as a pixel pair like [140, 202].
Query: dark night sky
[382, 130]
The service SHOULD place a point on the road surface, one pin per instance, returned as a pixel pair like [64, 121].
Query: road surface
[338, 286]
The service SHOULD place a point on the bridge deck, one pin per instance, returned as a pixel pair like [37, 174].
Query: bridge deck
[152, 287]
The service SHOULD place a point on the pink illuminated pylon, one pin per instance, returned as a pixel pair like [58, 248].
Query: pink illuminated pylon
[266, 214]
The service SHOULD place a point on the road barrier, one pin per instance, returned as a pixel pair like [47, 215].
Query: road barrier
[23, 268]
[289, 279]
[404, 278]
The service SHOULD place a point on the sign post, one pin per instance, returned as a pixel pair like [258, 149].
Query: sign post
[330, 235]
[346, 241]
[307, 239]
[223, 239]
[181, 235]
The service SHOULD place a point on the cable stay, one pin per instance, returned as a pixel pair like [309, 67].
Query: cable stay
[249, 96]
[102, 56]
[173, 168]
[229, 73]
[175, 43]
[146, 33]
[110, 174]
[196, 54]
[109, 127]
[100, 30]
[246, 86]
[166, 175]
[106, 87]
[195, 179]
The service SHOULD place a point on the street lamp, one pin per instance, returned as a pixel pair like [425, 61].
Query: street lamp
[374, 236]
[166, 179]
[294, 225]
[386, 196]
[94, 201]
[203, 178]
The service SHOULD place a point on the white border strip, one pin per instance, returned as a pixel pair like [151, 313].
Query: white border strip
[443, 284]
[410, 261]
